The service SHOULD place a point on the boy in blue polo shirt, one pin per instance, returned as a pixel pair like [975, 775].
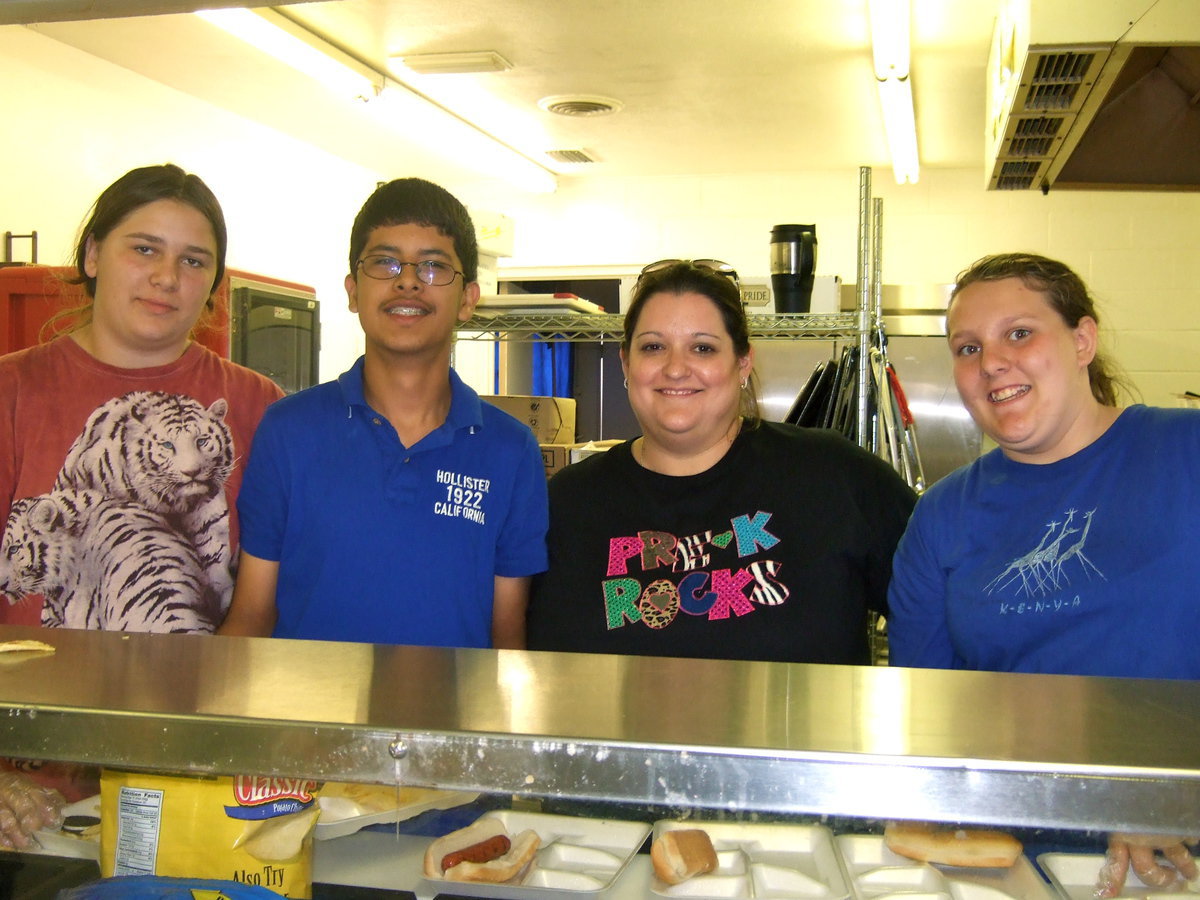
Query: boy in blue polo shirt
[393, 505]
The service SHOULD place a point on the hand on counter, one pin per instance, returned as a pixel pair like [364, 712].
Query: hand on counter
[25, 807]
[1139, 851]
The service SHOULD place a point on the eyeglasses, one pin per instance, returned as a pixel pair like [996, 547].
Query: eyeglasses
[429, 271]
[712, 265]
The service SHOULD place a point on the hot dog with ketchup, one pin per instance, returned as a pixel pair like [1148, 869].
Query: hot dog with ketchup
[483, 851]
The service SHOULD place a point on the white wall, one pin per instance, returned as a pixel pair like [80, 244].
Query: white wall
[1135, 250]
[73, 123]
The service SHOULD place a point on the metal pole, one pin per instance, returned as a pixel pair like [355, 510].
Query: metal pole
[864, 301]
[877, 265]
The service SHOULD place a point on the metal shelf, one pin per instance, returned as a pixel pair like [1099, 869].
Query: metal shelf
[1011, 750]
[580, 327]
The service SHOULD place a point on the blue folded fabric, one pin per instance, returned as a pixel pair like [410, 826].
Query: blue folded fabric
[156, 887]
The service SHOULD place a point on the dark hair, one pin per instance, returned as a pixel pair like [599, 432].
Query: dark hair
[415, 201]
[127, 194]
[131, 192]
[685, 278]
[1064, 291]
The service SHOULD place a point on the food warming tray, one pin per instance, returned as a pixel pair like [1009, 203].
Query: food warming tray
[577, 855]
[763, 860]
[877, 873]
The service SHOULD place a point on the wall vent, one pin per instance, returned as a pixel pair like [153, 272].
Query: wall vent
[571, 156]
[1018, 176]
[1034, 137]
[1051, 90]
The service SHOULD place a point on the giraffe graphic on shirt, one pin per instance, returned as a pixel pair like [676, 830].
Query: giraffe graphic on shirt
[1042, 570]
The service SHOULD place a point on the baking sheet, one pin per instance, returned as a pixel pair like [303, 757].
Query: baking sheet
[1074, 877]
[497, 304]
[877, 873]
[578, 855]
[347, 808]
[762, 860]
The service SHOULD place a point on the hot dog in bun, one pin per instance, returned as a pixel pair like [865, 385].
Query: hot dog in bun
[483, 851]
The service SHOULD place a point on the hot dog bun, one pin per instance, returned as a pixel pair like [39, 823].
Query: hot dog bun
[951, 846]
[680, 853]
[510, 867]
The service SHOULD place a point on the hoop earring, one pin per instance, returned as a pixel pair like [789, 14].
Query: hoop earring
[745, 381]
[626, 384]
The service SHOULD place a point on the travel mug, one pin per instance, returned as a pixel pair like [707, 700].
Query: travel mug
[793, 266]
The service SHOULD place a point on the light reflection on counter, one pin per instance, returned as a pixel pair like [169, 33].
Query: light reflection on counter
[1053, 751]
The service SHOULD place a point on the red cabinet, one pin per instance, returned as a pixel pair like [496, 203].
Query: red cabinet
[273, 327]
[31, 295]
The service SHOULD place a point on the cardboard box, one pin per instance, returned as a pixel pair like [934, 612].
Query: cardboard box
[591, 448]
[555, 457]
[551, 418]
[558, 456]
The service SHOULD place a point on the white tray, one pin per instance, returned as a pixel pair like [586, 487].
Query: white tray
[1074, 876]
[497, 304]
[878, 873]
[577, 855]
[65, 843]
[763, 860]
[347, 808]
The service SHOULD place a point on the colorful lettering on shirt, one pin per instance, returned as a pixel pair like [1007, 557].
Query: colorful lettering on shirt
[620, 551]
[656, 549]
[702, 587]
[752, 533]
[620, 601]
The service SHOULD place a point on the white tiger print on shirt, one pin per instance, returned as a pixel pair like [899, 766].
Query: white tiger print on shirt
[105, 564]
[146, 475]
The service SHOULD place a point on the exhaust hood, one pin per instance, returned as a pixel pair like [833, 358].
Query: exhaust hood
[1094, 95]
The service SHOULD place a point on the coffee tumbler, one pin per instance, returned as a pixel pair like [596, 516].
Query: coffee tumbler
[793, 266]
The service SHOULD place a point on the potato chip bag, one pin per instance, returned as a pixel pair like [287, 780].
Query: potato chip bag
[254, 830]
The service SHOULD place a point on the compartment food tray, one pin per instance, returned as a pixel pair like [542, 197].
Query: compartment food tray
[577, 855]
[876, 873]
[1074, 877]
[763, 860]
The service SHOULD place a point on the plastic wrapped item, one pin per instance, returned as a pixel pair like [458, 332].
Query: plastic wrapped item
[1137, 853]
[253, 830]
[26, 807]
[157, 887]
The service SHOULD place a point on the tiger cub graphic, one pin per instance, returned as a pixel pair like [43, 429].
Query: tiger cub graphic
[140, 503]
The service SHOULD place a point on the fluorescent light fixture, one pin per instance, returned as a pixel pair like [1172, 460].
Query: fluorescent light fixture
[273, 34]
[453, 63]
[890, 37]
[458, 140]
[890, 46]
[895, 99]
[413, 115]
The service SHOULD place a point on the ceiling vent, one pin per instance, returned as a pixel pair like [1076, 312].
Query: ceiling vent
[580, 105]
[571, 156]
[1103, 100]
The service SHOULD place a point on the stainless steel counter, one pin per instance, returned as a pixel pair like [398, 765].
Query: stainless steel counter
[956, 746]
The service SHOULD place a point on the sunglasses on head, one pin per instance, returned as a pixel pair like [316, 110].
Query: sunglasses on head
[712, 265]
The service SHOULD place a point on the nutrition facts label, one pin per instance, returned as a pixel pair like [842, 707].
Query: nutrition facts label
[139, 813]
